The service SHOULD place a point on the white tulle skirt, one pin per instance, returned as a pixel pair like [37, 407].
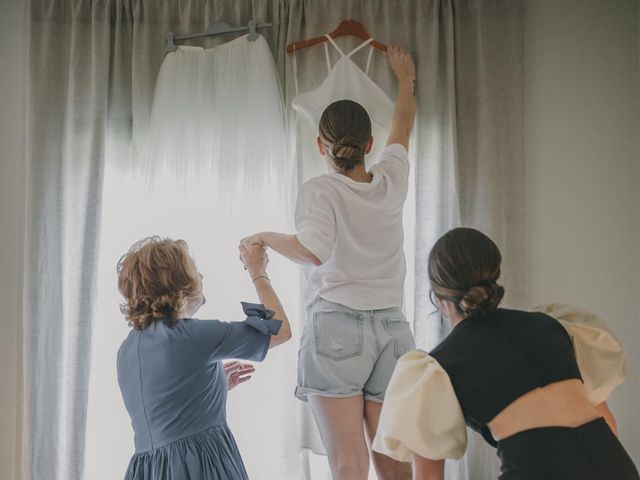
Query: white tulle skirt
[219, 113]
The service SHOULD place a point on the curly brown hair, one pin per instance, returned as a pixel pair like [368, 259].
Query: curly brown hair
[157, 278]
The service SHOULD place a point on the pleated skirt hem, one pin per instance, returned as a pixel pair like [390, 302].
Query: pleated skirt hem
[208, 455]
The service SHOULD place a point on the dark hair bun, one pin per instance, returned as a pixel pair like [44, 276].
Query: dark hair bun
[346, 153]
[345, 129]
[481, 299]
[464, 268]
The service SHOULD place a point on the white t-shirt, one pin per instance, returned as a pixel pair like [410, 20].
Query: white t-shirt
[355, 229]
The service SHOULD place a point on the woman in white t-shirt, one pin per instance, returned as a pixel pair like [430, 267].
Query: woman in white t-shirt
[349, 240]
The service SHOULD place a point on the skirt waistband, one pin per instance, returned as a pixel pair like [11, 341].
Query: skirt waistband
[588, 452]
[540, 433]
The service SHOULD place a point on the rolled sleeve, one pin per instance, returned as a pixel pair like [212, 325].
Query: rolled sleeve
[395, 161]
[315, 221]
[261, 318]
[246, 340]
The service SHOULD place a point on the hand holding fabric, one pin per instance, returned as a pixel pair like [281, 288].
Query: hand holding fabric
[255, 239]
[401, 63]
[254, 258]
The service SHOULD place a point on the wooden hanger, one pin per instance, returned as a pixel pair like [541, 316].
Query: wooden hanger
[346, 27]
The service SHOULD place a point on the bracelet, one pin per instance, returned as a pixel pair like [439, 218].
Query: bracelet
[260, 276]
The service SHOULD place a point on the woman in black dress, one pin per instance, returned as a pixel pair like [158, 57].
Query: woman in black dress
[534, 384]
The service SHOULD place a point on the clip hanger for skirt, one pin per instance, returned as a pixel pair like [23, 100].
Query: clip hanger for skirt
[214, 29]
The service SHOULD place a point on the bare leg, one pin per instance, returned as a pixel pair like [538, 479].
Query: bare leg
[426, 469]
[340, 421]
[386, 467]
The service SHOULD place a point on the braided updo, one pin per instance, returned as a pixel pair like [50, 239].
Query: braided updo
[345, 130]
[464, 267]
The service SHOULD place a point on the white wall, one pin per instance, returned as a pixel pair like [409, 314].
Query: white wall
[583, 155]
[11, 221]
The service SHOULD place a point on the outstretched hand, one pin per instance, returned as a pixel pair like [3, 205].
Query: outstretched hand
[237, 373]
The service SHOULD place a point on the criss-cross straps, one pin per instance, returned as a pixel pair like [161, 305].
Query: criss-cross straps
[342, 55]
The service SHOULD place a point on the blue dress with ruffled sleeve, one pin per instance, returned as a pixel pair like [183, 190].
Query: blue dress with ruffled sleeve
[175, 390]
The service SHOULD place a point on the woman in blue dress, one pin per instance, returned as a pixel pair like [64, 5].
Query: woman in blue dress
[170, 369]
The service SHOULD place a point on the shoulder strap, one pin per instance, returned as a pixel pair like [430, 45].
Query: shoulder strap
[295, 69]
[359, 47]
[326, 56]
[366, 70]
[333, 42]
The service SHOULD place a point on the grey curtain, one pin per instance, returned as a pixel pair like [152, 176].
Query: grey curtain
[66, 117]
[92, 70]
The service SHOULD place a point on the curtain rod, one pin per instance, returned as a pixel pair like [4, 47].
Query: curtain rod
[214, 29]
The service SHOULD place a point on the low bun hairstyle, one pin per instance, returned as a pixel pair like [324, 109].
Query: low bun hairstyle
[464, 267]
[344, 130]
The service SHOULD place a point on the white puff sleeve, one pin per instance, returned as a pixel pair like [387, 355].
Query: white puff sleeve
[420, 413]
[599, 354]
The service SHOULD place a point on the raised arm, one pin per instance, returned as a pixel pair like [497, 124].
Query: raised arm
[286, 245]
[255, 260]
[405, 108]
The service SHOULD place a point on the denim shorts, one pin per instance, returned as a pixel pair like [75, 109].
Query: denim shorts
[346, 352]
